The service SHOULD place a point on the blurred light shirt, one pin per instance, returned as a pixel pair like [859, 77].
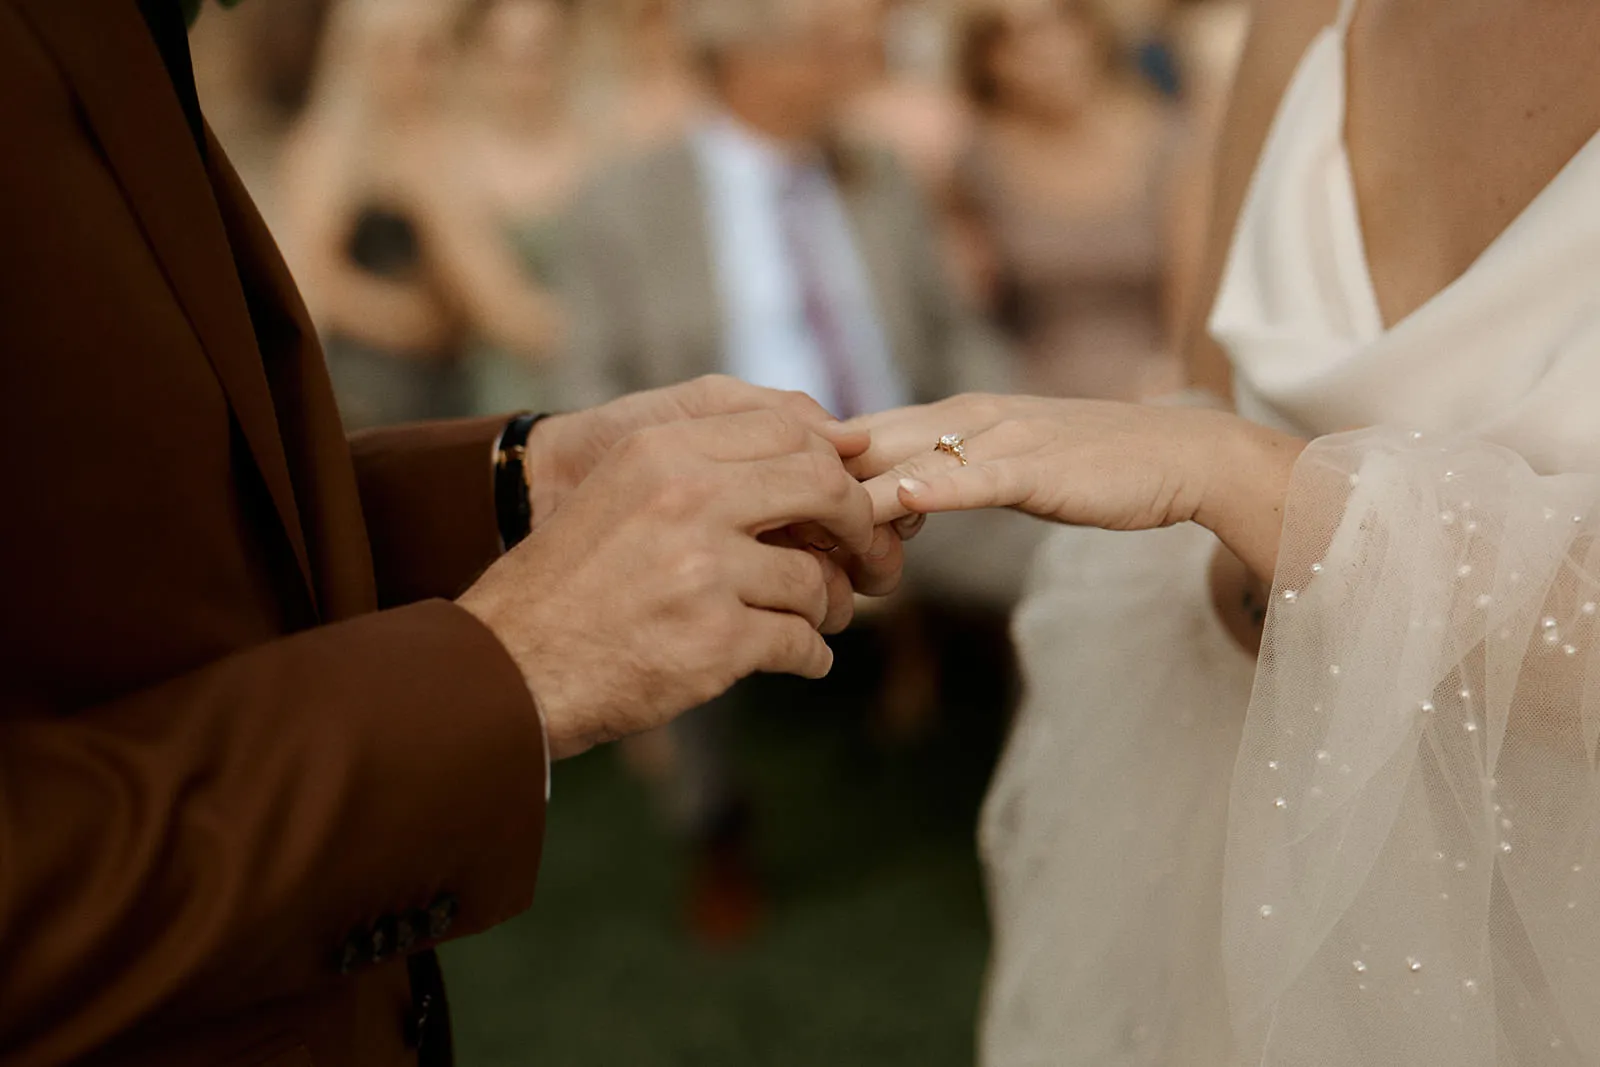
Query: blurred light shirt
[767, 339]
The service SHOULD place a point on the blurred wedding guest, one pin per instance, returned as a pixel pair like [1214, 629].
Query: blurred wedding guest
[522, 144]
[656, 92]
[900, 96]
[253, 68]
[763, 244]
[1068, 178]
[388, 226]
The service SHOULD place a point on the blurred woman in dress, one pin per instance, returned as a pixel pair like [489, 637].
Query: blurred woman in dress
[1068, 182]
[901, 98]
[388, 226]
[527, 153]
[656, 89]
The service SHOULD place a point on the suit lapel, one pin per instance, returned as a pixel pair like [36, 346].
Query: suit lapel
[313, 436]
[133, 112]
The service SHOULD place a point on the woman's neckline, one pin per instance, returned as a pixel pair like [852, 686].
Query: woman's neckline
[1339, 32]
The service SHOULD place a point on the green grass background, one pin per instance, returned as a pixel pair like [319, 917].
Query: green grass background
[874, 941]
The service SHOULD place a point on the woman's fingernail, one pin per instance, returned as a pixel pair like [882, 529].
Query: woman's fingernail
[913, 487]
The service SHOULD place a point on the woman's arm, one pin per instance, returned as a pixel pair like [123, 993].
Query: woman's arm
[1086, 463]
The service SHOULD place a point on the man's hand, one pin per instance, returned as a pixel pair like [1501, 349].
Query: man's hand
[565, 448]
[651, 589]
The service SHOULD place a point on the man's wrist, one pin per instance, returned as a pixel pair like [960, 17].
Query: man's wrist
[551, 474]
[512, 499]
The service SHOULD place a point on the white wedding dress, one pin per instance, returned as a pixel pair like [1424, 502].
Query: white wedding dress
[1382, 845]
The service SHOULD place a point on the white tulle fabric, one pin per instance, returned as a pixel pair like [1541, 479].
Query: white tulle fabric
[1412, 871]
[1381, 845]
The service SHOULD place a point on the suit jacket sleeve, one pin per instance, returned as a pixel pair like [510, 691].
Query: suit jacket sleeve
[427, 492]
[210, 841]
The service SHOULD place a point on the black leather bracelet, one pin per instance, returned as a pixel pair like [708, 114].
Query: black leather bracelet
[512, 506]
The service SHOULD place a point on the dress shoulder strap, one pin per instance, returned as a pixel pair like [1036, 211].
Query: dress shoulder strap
[1347, 14]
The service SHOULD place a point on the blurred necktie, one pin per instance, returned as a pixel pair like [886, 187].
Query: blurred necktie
[802, 209]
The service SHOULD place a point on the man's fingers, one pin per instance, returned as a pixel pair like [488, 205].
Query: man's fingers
[877, 572]
[802, 488]
[742, 436]
[841, 596]
[884, 492]
[808, 535]
[716, 395]
[848, 443]
[909, 526]
[780, 643]
[782, 579]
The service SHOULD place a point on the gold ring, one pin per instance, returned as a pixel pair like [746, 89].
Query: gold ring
[955, 445]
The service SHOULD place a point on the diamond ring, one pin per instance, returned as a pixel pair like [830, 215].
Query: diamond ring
[955, 445]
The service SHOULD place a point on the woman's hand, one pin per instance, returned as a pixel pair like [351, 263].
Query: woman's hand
[1087, 463]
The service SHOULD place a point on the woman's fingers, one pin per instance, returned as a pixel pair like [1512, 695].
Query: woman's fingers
[997, 473]
[1000, 483]
[899, 435]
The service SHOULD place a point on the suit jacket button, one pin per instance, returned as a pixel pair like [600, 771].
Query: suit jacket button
[409, 929]
[383, 939]
[416, 1022]
[442, 914]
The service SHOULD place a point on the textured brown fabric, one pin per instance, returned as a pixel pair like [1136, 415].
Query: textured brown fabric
[217, 756]
[418, 548]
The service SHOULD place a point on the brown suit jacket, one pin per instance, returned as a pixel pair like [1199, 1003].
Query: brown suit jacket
[218, 756]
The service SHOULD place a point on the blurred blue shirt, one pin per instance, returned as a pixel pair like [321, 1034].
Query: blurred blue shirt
[766, 338]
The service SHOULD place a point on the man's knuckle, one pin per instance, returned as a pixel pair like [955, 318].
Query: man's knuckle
[819, 469]
[788, 429]
[808, 573]
[698, 571]
[680, 493]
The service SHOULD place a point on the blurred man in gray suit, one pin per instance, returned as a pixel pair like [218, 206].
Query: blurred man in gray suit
[761, 244]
